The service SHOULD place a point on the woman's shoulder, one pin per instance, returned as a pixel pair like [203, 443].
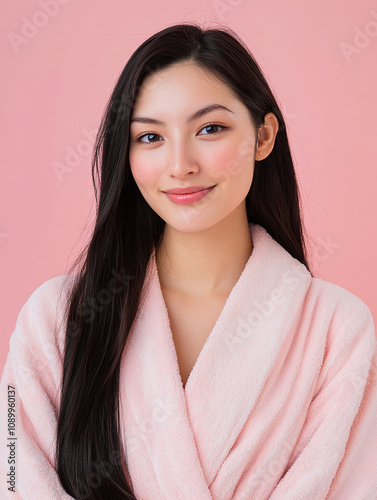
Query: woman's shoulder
[348, 337]
[339, 297]
[36, 347]
[40, 321]
[343, 311]
[50, 290]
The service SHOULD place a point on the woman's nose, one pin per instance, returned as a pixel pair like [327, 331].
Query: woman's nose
[181, 160]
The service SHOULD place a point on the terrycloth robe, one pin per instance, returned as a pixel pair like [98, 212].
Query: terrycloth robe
[281, 403]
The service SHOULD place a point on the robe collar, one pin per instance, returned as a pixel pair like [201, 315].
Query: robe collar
[192, 429]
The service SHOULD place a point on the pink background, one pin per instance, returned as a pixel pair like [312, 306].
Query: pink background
[320, 59]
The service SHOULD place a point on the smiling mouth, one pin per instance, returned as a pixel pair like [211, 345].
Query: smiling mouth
[188, 190]
[187, 198]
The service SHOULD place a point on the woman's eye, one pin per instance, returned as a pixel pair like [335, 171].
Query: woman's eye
[147, 135]
[213, 125]
[206, 127]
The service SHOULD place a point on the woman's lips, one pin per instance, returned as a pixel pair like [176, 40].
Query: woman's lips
[185, 199]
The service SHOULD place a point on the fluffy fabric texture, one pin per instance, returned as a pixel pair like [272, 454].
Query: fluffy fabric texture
[281, 403]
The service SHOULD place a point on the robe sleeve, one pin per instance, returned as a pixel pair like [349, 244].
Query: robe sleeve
[29, 399]
[335, 457]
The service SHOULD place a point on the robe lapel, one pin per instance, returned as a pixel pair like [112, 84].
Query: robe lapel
[254, 329]
[160, 446]
[186, 434]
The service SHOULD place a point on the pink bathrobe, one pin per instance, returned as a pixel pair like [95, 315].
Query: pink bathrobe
[281, 403]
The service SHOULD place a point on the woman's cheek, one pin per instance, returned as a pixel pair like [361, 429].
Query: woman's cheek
[144, 172]
[226, 163]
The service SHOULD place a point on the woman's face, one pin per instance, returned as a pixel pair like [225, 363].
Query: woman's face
[173, 148]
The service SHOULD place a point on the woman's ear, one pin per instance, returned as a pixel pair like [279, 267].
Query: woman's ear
[266, 136]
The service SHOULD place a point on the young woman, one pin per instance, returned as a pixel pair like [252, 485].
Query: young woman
[193, 355]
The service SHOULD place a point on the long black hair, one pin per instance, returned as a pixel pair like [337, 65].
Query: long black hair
[89, 452]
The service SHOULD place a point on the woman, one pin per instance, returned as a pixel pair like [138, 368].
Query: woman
[193, 355]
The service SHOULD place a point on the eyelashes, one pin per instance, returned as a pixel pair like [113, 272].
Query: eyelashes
[223, 127]
[138, 139]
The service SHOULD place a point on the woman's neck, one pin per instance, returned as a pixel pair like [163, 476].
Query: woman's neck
[206, 262]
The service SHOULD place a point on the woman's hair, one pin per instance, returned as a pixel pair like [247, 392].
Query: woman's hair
[89, 450]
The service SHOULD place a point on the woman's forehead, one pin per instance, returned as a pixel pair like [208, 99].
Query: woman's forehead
[184, 84]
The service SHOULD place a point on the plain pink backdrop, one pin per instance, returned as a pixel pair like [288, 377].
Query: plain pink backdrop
[60, 60]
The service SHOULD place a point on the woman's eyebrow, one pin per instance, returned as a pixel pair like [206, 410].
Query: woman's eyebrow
[191, 118]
